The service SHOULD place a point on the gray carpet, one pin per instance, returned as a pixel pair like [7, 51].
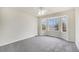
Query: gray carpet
[40, 44]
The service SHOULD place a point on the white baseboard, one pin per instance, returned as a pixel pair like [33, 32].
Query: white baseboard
[77, 44]
[17, 40]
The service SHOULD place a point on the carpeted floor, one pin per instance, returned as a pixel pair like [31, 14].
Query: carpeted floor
[40, 44]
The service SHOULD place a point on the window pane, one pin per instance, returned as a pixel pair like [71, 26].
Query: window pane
[53, 24]
[64, 23]
[44, 23]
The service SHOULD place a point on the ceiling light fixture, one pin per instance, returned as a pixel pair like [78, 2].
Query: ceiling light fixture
[41, 11]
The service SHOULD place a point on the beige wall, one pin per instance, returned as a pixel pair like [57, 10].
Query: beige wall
[71, 23]
[77, 26]
[16, 25]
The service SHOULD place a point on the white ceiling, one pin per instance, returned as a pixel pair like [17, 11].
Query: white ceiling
[56, 9]
[49, 10]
